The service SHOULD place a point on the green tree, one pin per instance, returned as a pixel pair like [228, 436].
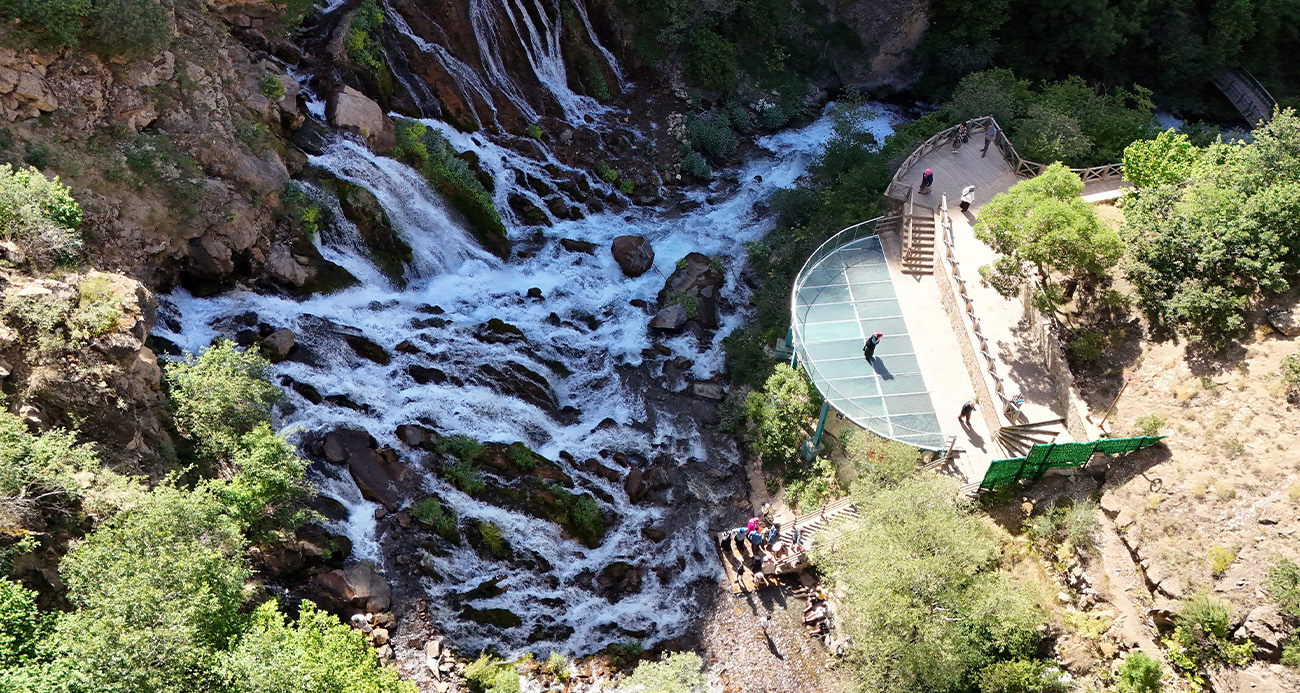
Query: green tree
[679, 672]
[1139, 674]
[1169, 159]
[130, 28]
[1043, 222]
[992, 92]
[1047, 134]
[20, 622]
[269, 474]
[39, 216]
[710, 61]
[219, 395]
[1021, 676]
[925, 605]
[158, 590]
[35, 467]
[781, 413]
[317, 654]
[52, 22]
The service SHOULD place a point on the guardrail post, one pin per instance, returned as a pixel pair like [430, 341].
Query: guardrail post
[814, 445]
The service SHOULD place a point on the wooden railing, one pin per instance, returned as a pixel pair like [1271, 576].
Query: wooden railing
[1250, 98]
[901, 190]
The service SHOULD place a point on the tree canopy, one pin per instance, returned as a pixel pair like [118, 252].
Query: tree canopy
[781, 413]
[219, 395]
[1042, 222]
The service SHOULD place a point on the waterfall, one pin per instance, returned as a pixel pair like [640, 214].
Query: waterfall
[586, 323]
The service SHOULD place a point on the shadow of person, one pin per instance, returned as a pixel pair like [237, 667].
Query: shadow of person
[970, 217]
[771, 646]
[973, 436]
[878, 364]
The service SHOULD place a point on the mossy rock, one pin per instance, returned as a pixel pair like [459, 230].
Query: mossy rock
[501, 618]
[389, 252]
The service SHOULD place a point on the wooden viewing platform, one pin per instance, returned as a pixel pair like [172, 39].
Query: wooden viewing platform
[733, 560]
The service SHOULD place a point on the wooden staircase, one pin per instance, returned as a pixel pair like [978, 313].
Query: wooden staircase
[1017, 440]
[918, 255]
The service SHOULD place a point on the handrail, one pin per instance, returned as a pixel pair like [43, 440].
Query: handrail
[1020, 165]
[826, 249]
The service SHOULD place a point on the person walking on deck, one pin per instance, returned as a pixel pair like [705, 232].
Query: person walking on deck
[959, 137]
[967, 197]
[966, 410]
[926, 181]
[990, 134]
[869, 349]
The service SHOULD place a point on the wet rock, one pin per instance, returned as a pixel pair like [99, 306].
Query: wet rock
[355, 587]
[329, 508]
[529, 213]
[699, 279]
[277, 345]
[709, 390]
[342, 443]
[575, 246]
[671, 319]
[424, 376]
[598, 469]
[634, 254]
[634, 485]
[418, 436]
[497, 331]
[558, 208]
[501, 618]
[320, 546]
[379, 637]
[351, 110]
[619, 579]
[521, 382]
[655, 535]
[307, 392]
[406, 347]
[535, 293]
[281, 264]
[367, 349]
[1266, 629]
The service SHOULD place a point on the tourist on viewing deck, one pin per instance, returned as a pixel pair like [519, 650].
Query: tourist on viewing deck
[869, 349]
[755, 540]
[966, 410]
[959, 137]
[926, 181]
[967, 197]
[990, 134]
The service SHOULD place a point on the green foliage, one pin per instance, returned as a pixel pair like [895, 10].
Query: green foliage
[924, 604]
[731, 417]
[317, 654]
[1169, 159]
[411, 147]
[535, 131]
[626, 186]
[711, 135]
[55, 23]
[693, 164]
[20, 624]
[362, 39]
[679, 672]
[1021, 676]
[710, 61]
[268, 476]
[464, 476]
[294, 11]
[1148, 424]
[302, 213]
[220, 395]
[271, 87]
[605, 172]
[463, 448]
[880, 461]
[1202, 250]
[39, 216]
[557, 666]
[1138, 673]
[1291, 652]
[1283, 586]
[807, 489]
[130, 28]
[782, 413]
[1064, 525]
[441, 165]
[157, 590]
[33, 467]
[520, 456]
[492, 539]
[98, 310]
[1201, 638]
[621, 654]
[1290, 371]
[430, 512]
[489, 674]
[580, 515]
[1219, 559]
[1086, 347]
[1043, 222]
[687, 302]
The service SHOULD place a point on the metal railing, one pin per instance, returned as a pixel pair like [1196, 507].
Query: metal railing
[883, 425]
[898, 189]
[1247, 95]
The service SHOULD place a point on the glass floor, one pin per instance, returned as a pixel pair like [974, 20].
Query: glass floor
[839, 301]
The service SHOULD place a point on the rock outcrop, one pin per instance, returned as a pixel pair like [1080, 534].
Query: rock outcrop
[634, 254]
[351, 110]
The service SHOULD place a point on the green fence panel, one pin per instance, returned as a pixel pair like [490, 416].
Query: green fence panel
[1003, 473]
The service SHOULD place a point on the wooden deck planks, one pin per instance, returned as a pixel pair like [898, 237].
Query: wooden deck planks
[952, 172]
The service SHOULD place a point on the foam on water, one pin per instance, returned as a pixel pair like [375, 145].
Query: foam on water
[473, 287]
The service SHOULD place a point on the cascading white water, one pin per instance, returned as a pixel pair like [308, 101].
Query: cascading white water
[471, 287]
[471, 87]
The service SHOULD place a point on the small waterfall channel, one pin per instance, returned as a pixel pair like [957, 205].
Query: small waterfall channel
[586, 336]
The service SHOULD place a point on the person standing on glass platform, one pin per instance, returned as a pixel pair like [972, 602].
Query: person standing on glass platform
[869, 349]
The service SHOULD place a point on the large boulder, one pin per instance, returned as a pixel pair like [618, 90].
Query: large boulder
[671, 319]
[351, 110]
[1266, 629]
[634, 254]
[277, 345]
[355, 587]
[696, 283]
[378, 477]
[1285, 319]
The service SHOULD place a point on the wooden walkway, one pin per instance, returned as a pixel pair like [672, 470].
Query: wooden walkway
[733, 560]
[1245, 92]
[953, 172]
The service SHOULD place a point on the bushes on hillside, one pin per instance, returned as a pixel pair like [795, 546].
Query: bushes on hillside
[33, 466]
[782, 414]
[219, 395]
[130, 28]
[679, 672]
[39, 216]
[1202, 637]
[1207, 238]
[362, 40]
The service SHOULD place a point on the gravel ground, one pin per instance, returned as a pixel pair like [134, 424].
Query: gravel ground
[742, 659]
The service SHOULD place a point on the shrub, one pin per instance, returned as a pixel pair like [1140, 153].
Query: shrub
[453, 179]
[1219, 559]
[580, 515]
[1071, 525]
[219, 395]
[1020, 676]
[1148, 424]
[680, 672]
[39, 216]
[52, 22]
[488, 674]
[606, 173]
[535, 131]
[520, 456]
[731, 417]
[879, 460]
[693, 164]
[1290, 370]
[464, 476]
[271, 87]
[1139, 673]
[711, 135]
[806, 489]
[686, 301]
[626, 186]
[19, 624]
[31, 466]
[710, 61]
[557, 666]
[130, 28]
[463, 448]
[781, 413]
[1201, 637]
[1291, 652]
[1283, 586]
[268, 475]
[492, 539]
[411, 147]
[361, 41]
[98, 309]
